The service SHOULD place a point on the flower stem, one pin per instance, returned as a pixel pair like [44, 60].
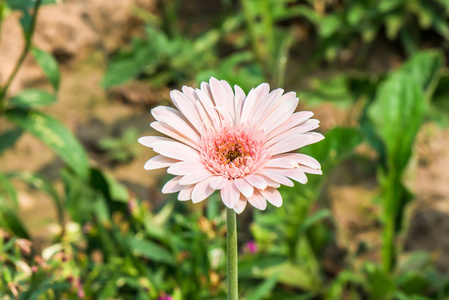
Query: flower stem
[231, 238]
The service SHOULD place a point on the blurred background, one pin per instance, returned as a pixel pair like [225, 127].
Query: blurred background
[81, 219]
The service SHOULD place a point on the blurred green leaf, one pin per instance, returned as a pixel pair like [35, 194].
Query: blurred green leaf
[397, 113]
[263, 289]
[32, 98]
[380, 284]
[150, 250]
[49, 65]
[10, 221]
[9, 138]
[8, 194]
[54, 134]
[425, 68]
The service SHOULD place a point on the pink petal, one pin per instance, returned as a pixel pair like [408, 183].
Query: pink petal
[171, 132]
[158, 162]
[202, 190]
[229, 97]
[149, 141]
[177, 150]
[176, 120]
[230, 195]
[294, 120]
[239, 98]
[182, 167]
[279, 115]
[258, 201]
[273, 196]
[187, 108]
[240, 206]
[292, 132]
[310, 170]
[209, 107]
[301, 159]
[185, 193]
[195, 176]
[190, 93]
[254, 96]
[226, 115]
[256, 181]
[218, 92]
[281, 162]
[265, 106]
[244, 187]
[172, 186]
[295, 174]
[218, 182]
[276, 177]
[291, 143]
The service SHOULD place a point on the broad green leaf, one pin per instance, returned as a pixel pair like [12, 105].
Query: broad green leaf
[8, 195]
[440, 102]
[9, 138]
[150, 250]
[397, 114]
[32, 98]
[49, 66]
[425, 67]
[381, 285]
[55, 135]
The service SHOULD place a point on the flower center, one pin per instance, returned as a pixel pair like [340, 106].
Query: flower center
[232, 152]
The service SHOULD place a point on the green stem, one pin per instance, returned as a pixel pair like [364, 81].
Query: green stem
[231, 238]
[26, 49]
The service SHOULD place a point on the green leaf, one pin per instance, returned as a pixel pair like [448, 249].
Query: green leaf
[49, 65]
[425, 67]
[121, 70]
[9, 138]
[380, 284]
[10, 221]
[8, 193]
[32, 98]
[55, 135]
[263, 289]
[396, 114]
[150, 250]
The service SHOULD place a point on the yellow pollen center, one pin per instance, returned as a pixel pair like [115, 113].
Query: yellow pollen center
[232, 155]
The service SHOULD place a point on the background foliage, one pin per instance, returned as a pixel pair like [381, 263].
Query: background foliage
[111, 245]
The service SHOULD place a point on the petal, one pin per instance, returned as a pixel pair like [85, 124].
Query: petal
[230, 195]
[209, 107]
[281, 162]
[239, 98]
[256, 181]
[171, 132]
[294, 131]
[158, 162]
[244, 187]
[291, 143]
[279, 115]
[176, 120]
[149, 141]
[172, 186]
[258, 201]
[276, 177]
[273, 196]
[294, 120]
[218, 182]
[187, 108]
[195, 176]
[177, 150]
[301, 159]
[310, 170]
[240, 206]
[182, 167]
[250, 104]
[265, 106]
[202, 190]
[185, 193]
[295, 174]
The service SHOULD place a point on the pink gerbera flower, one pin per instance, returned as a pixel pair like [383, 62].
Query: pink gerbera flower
[224, 140]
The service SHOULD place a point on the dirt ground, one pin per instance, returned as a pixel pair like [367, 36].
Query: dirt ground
[93, 113]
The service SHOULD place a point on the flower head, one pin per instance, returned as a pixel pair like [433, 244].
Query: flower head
[218, 139]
